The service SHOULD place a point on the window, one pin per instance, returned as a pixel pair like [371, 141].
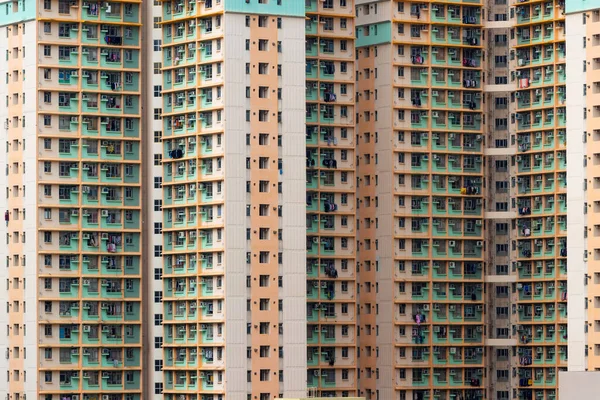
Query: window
[501, 291]
[502, 375]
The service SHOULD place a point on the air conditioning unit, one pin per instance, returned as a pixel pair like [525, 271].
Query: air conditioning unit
[105, 213]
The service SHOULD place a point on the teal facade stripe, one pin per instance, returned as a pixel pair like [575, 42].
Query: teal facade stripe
[575, 6]
[284, 8]
[377, 34]
[25, 12]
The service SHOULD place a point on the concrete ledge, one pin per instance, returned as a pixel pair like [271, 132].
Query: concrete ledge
[500, 214]
[497, 24]
[509, 87]
[500, 342]
[500, 278]
[506, 151]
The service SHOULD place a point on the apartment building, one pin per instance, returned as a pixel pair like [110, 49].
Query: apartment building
[331, 287]
[582, 88]
[331, 198]
[462, 127]
[233, 286]
[73, 201]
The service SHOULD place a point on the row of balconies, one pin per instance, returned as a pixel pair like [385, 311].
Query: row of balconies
[328, 47]
[108, 173]
[542, 119]
[188, 54]
[441, 270]
[330, 136]
[462, 164]
[541, 140]
[92, 242]
[68, 149]
[329, 246]
[68, 286]
[105, 196]
[328, 313]
[92, 80]
[191, 357]
[332, 74]
[427, 119]
[330, 334]
[68, 218]
[463, 376]
[328, 224]
[188, 311]
[416, 205]
[441, 313]
[331, 379]
[330, 290]
[330, 180]
[188, 194]
[76, 380]
[91, 33]
[540, 33]
[69, 311]
[184, 287]
[70, 264]
[328, 203]
[87, 125]
[89, 288]
[202, 122]
[541, 269]
[70, 336]
[439, 141]
[193, 264]
[68, 102]
[441, 13]
[441, 99]
[442, 291]
[186, 240]
[90, 11]
[193, 333]
[190, 76]
[107, 58]
[443, 231]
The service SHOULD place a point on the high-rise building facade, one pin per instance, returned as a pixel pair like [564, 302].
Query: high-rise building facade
[462, 107]
[232, 199]
[74, 199]
[331, 309]
[582, 111]
[233, 286]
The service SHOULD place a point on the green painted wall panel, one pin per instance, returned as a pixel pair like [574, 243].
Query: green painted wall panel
[26, 12]
[574, 6]
[288, 8]
[378, 33]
